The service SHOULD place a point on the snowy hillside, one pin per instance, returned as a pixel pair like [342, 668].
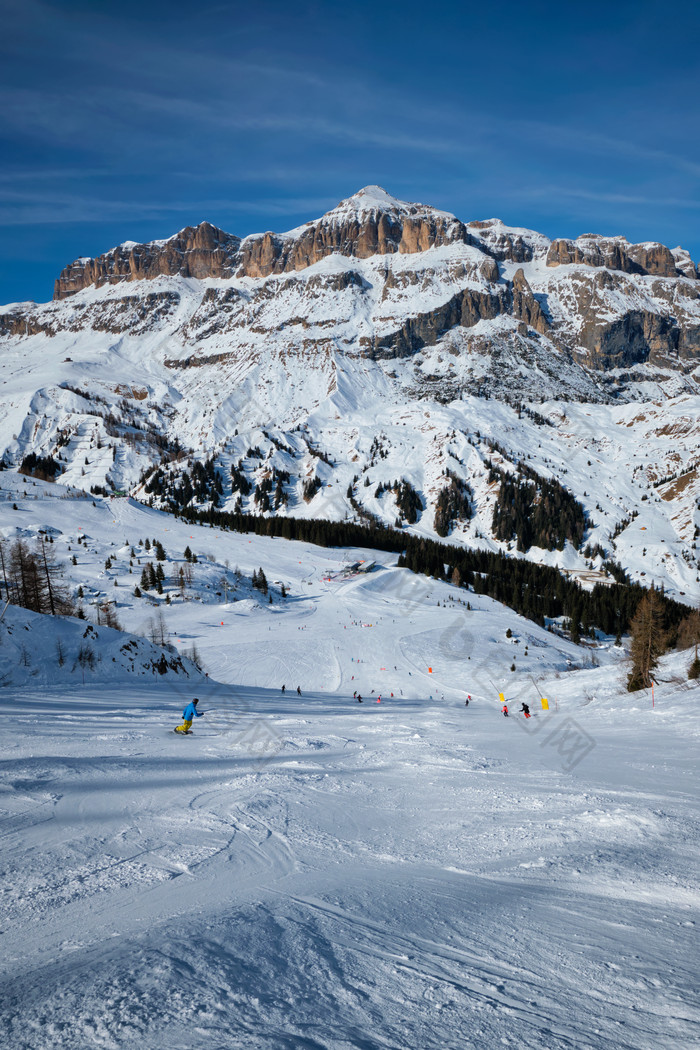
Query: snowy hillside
[354, 848]
[386, 344]
[41, 651]
[309, 871]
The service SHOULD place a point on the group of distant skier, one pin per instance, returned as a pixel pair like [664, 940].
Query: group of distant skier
[191, 712]
[525, 710]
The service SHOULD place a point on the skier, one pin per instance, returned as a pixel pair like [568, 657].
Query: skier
[188, 717]
[505, 710]
[525, 710]
[298, 690]
[284, 688]
[466, 702]
[359, 699]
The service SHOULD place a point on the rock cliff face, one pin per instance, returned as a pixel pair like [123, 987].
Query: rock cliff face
[507, 243]
[636, 337]
[464, 310]
[684, 264]
[525, 307]
[362, 237]
[615, 253]
[613, 319]
[370, 223]
[417, 274]
[197, 251]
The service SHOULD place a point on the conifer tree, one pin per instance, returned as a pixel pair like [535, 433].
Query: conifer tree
[648, 641]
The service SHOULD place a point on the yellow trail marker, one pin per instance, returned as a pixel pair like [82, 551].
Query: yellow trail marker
[545, 703]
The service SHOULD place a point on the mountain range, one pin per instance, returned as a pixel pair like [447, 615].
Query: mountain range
[386, 361]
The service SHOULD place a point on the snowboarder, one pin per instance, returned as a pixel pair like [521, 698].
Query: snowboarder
[298, 690]
[188, 716]
[505, 710]
[525, 710]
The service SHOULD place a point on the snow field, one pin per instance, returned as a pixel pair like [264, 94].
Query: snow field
[311, 872]
[409, 874]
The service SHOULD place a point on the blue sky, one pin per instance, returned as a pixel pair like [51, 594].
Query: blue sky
[127, 121]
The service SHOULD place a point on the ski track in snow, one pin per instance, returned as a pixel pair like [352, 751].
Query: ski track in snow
[305, 872]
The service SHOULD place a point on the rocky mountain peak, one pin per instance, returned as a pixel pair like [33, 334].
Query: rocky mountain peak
[508, 243]
[375, 199]
[197, 251]
[616, 253]
[371, 222]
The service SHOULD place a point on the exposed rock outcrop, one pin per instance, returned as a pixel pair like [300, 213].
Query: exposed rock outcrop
[614, 253]
[636, 337]
[24, 323]
[464, 309]
[370, 223]
[507, 243]
[525, 306]
[609, 303]
[684, 264]
[614, 320]
[197, 251]
[653, 258]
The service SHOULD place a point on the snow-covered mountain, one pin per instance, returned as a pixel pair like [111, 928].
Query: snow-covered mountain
[384, 344]
[354, 847]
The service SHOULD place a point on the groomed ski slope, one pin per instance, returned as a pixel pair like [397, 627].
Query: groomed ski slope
[306, 872]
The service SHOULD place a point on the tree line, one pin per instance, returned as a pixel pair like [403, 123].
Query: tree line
[535, 591]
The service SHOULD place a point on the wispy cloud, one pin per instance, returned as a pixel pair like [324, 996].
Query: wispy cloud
[22, 207]
[258, 116]
[579, 139]
[609, 197]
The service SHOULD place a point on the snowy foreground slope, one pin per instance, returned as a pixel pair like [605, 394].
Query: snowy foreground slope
[311, 872]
